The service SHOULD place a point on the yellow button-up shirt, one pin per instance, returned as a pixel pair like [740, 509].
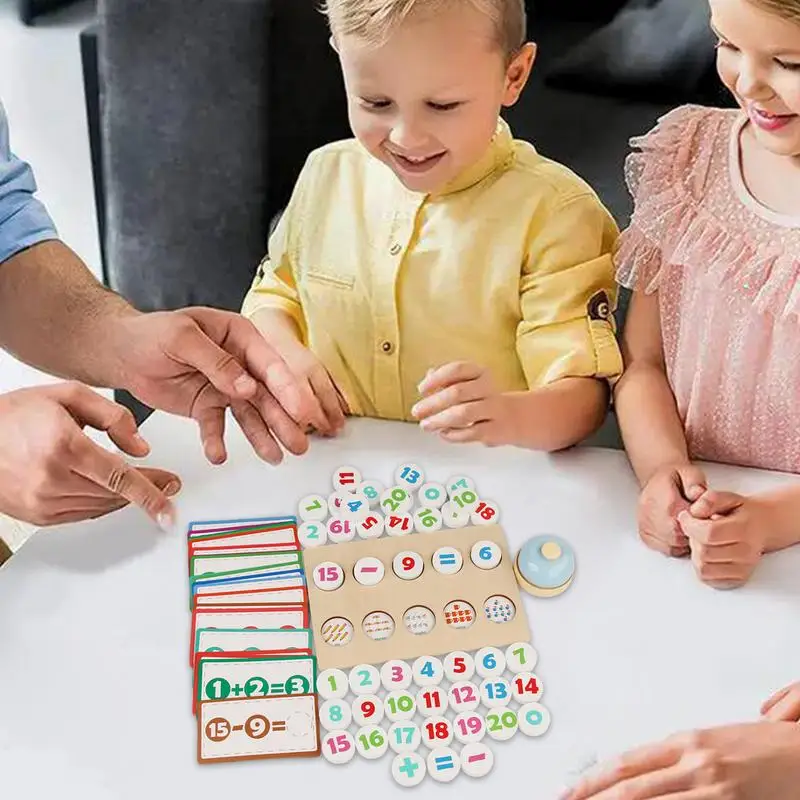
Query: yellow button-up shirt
[509, 267]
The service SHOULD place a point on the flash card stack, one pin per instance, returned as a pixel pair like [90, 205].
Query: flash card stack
[251, 647]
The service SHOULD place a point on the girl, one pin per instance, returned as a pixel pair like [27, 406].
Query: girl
[712, 340]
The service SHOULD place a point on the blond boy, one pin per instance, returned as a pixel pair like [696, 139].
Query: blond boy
[434, 268]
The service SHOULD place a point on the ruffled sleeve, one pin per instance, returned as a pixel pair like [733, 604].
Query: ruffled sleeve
[666, 174]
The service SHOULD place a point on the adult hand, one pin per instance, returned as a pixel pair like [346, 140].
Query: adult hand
[51, 472]
[727, 535]
[669, 491]
[460, 403]
[197, 362]
[758, 761]
[783, 706]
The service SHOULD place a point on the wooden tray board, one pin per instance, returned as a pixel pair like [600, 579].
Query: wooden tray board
[395, 595]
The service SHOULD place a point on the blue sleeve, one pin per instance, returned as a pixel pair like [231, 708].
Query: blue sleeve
[24, 221]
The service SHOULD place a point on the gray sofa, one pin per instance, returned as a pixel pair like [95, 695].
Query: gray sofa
[200, 121]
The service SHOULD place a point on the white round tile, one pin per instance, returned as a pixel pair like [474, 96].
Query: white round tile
[521, 657]
[428, 520]
[367, 709]
[447, 560]
[372, 526]
[490, 662]
[432, 701]
[486, 554]
[404, 736]
[485, 513]
[409, 476]
[458, 483]
[338, 747]
[313, 508]
[355, 508]
[335, 715]
[396, 500]
[346, 478]
[477, 760]
[444, 764]
[399, 705]
[378, 625]
[399, 524]
[427, 671]
[312, 534]
[369, 571]
[433, 495]
[408, 565]
[364, 679]
[501, 723]
[496, 692]
[453, 517]
[464, 696]
[458, 666]
[372, 490]
[468, 727]
[527, 688]
[371, 742]
[437, 732]
[419, 620]
[328, 576]
[534, 719]
[408, 769]
[340, 530]
[396, 674]
[332, 684]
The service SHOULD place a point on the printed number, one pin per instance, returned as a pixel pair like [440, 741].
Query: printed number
[410, 475]
[218, 689]
[338, 526]
[427, 670]
[487, 512]
[397, 496]
[256, 687]
[366, 678]
[438, 730]
[409, 563]
[218, 729]
[432, 493]
[313, 532]
[346, 478]
[397, 674]
[328, 574]
[489, 661]
[496, 691]
[465, 498]
[427, 518]
[375, 740]
[369, 523]
[257, 726]
[520, 654]
[526, 687]
[314, 506]
[297, 684]
[459, 484]
[534, 717]
[485, 554]
[407, 732]
[339, 744]
[508, 719]
[332, 682]
[464, 694]
[459, 665]
[354, 506]
[336, 713]
[403, 703]
[370, 492]
[401, 522]
[432, 699]
[471, 725]
[367, 709]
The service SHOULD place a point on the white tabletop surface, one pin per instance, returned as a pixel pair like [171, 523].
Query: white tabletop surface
[95, 690]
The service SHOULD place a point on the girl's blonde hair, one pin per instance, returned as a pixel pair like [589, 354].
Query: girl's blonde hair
[374, 20]
[788, 9]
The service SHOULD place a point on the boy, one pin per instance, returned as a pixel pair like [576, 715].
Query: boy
[434, 268]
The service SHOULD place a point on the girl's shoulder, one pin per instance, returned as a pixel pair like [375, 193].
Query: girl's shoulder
[685, 147]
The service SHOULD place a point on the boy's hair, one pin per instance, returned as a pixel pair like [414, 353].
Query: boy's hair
[788, 9]
[375, 19]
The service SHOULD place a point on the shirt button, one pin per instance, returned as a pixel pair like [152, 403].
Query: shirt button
[395, 249]
[387, 347]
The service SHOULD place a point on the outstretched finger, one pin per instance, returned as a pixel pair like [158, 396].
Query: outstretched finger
[113, 473]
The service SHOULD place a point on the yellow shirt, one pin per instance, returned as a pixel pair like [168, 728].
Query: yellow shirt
[509, 267]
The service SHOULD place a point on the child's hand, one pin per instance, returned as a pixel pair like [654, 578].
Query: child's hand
[306, 366]
[727, 535]
[669, 491]
[461, 404]
[783, 706]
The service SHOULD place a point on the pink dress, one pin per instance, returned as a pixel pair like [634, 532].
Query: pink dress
[726, 269]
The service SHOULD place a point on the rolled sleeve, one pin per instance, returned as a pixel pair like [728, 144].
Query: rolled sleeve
[24, 221]
[568, 295]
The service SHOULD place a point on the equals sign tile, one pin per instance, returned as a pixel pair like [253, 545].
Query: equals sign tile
[447, 559]
[444, 762]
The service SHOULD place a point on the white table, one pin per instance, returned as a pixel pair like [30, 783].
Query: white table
[96, 691]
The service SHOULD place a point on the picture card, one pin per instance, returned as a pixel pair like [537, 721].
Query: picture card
[236, 640]
[254, 597]
[231, 564]
[263, 727]
[211, 527]
[231, 617]
[227, 678]
[273, 538]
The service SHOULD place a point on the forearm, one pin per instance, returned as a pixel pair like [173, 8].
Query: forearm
[649, 422]
[54, 315]
[559, 415]
[784, 518]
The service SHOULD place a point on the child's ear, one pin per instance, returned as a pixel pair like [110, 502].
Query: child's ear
[518, 72]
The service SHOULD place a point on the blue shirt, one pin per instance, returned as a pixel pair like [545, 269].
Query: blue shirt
[24, 221]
